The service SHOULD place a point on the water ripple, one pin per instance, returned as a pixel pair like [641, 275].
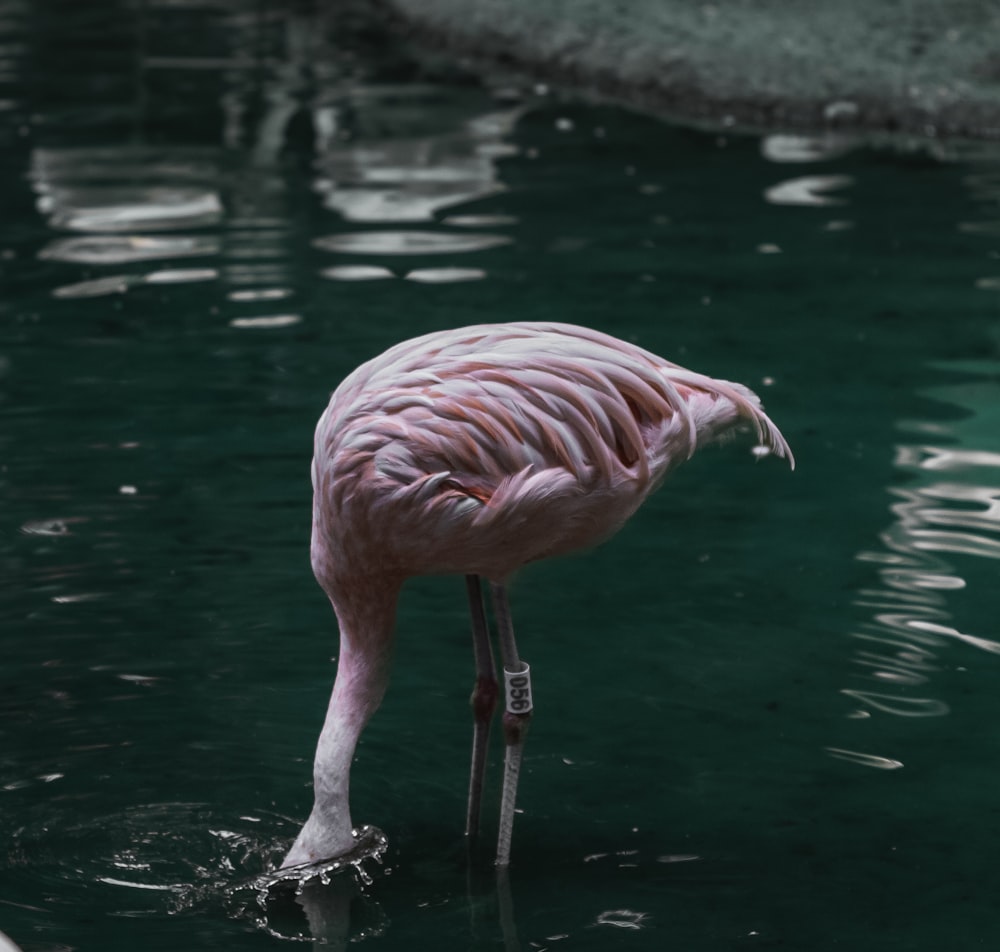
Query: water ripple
[408, 242]
[98, 287]
[479, 221]
[951, 507]
[622, 919]
[120, 283]
[865, 760]
[900, 706]
[260, 294]
[785, 148]
[181, 275]
[444, 275]
[808, 190]
[101, 249]
[356, 272]
[117, 209]
[266, 321]
[438, 161]
[411, 203]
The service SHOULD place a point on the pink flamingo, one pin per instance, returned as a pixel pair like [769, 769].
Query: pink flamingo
[476, 451]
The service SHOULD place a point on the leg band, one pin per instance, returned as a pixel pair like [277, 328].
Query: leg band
[517, 694]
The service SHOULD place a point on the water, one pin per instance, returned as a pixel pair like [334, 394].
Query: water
[764, 713]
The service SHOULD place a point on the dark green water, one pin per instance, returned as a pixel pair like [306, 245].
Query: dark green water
[766, 713]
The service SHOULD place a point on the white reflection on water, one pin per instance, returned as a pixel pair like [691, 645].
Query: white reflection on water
[356, 272]
[124, 199]
[408, 242]
[808, 190]
[116, 208]
[365, 272]
[394, 155]
[384, 153]
[444, 275]
[181, 275]
[867, 760]
[98, 287]
[479, 221]
[949, 507]
[107, 249]
[120, 283]
[622, 919]
[805, 148]
[266, 321]
[400, 162]
[260, 294]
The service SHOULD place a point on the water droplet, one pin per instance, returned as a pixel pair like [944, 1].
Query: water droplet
[371, 845]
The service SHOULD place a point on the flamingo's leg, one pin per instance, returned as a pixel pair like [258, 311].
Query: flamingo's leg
[483, 701]
[516, 717]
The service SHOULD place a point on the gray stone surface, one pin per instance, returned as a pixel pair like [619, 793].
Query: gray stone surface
[922, 67]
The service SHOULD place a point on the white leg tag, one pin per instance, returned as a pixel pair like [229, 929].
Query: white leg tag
[518, 690]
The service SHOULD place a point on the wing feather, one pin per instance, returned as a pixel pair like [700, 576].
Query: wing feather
[482, 430]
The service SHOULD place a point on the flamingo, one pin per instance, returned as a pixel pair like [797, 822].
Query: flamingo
[474, 452]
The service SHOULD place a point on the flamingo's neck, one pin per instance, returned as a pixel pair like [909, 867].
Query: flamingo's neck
[367, 616]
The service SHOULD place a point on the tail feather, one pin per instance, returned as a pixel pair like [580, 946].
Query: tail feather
[767, 433]
[744, 403]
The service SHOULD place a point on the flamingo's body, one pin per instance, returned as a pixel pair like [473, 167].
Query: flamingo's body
[476, 451]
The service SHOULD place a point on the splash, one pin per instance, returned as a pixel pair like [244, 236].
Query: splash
[622, 919]
[370, 846]
[325, 892]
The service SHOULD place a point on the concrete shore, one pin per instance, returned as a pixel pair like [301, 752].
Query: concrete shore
[918, 67]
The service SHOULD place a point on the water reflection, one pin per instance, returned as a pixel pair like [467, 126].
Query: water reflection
[622, 919]
[127, 249]
[118, 208]
[356, 272]
[406, 154]
[983, 183]
[950, 507]
[127, 217]
[179, 564]
[384, 154]
[866, 760]
[783, 147]
[416, 172]
[120, 283]
[408, 242]
[81, 190]
[268, 320]
[444, 275]
[808, 190]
